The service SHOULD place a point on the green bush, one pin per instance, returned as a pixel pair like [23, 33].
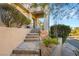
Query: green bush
[49, 41]
[54, 41]
[60, 30]
[11, 17]
[46, 42]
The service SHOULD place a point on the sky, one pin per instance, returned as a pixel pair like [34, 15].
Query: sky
[70, 12]
[73, 14]
[70, 22]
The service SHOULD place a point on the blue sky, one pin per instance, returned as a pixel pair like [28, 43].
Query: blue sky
[70, 22]
[71, 12]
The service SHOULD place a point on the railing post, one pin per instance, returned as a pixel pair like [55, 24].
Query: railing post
[40, 52]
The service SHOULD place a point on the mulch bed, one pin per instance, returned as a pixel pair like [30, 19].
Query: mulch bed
[46, 51]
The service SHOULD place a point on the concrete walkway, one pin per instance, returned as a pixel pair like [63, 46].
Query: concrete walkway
[65, 50]
[56, 51]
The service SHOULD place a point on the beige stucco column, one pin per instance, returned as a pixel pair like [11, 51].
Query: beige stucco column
[36, 23]
[30, 16]
[46, 22]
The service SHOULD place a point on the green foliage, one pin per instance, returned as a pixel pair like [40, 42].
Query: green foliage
[34, 5]
[61, 30]
[42, 26]
[41, 6]
[10, 15]
[27, 21]
[54, 41]
[49, 41]
[46, 42]
[21, 6]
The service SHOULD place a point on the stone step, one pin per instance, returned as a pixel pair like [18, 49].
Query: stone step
[32, 36]
[32, 39]
[35, 31]
[25, 52]
[26, 48]
[24, 55]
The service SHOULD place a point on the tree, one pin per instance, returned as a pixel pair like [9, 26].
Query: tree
[62, 31]
[10, 15]
[63, 10]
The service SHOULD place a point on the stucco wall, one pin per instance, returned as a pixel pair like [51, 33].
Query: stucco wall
[10, 38]
[43, 34]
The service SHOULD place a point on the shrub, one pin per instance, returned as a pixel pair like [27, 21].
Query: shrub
[54, 41]
[60, 31]
[46, 42]
[49, 41]
[10, 16]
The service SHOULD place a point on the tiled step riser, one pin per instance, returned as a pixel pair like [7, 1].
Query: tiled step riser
[25, 52]
[33, 34]
[30, 36]
[24, 55]
[32, 39]
[35, 31]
